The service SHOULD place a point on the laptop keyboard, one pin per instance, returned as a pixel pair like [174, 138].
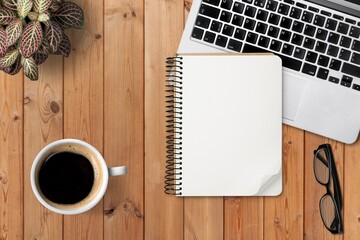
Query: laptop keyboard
[311, 41]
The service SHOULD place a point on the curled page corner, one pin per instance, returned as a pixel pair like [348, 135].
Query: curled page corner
[267, 182]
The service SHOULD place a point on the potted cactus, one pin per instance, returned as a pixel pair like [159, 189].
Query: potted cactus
[30, 30]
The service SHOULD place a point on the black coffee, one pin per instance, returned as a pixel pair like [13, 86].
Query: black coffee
[66, 177]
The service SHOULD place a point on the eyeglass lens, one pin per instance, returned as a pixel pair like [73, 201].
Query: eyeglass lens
[327, 211]
[322, 172]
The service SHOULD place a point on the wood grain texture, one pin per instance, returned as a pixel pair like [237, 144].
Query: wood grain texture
[11, 155]
[83, 105]
[43, 124]
[124, 118]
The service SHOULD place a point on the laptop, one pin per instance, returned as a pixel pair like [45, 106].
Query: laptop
[318, 42]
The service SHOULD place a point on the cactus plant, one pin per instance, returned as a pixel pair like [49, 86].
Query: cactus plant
[30, 30]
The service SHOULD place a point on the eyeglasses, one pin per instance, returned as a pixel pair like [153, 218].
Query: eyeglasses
[326, 174]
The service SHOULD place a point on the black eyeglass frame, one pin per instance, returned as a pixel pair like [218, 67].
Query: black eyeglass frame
[336, 196]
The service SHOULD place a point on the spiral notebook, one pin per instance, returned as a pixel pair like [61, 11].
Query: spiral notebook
[224, 125]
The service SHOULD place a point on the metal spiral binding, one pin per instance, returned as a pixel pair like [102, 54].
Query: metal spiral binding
[173, 177]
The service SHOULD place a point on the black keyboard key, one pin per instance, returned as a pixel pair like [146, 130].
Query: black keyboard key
[309, 69]
[354, 32]
[333, 38]
[264, 41]
[301, 5]
[290, 2]
[250, 11]
[309, 43]
[295, 12]
[197, 33]
[216, 26]
[356, 87]
[309, 30]
[298, 26]
[262, 15]
[274, 18]
[285, 35]
[331, 24]
[234, 45]
[323, 61]
[248, 1]
[290, 63]
[335, 64]
[311, 57]
[209, 37]
[272, 5]
[286, 22]
[225, 16]
[202, 21]
[275, 45]
[237, 20]
[356, 46]
[238, 7]
[351, 21]
[344, 54]
[320, 47]
[287, 49]
[209, 11]
[227, 4]
[212, 2]
[321, 34]
[355, 58]
[334, 80]
[307, 16]
[343, 28]
[346, 81]
[251, 37]
[333, 51]
[322, 73]
[345, 42]
[297, 39]
[325, 13]
[314, 9]
[221, 41]
[273, 32]
[319, 20]
[249, 24]
[299, 53]
[283, 9]
[240, 34]
[351, 69]
[260, 3]
[338, 17]
[252, 49]
[261, 27]
[228, 30]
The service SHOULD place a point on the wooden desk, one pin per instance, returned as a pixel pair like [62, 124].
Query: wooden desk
[110, 92]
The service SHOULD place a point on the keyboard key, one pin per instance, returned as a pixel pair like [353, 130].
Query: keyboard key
[272, 5]
[209, 37]
[331, 24]
[251, 37]
[283, 9]
[295, 12]
[225, 16]
[309, 30]
[351, 69]
[249, 24]
[311, 57]
[234, 45]
[334, 80]
[287, 49]
[252, 49]
[325, 13]
[216, 26]
[261, 27]
[322, 73]
[356, 46]
[285, 35]
[309, 69]
[307, 16]
[298, 26]
[212, 2]
[333, 38]
[354, 32]
[323, 61]
[262, 15]
[297, 39]
[260, 3]
[356, 87]
[238, 7]
[345, 42]
[209, 11]
[343, 28]
[355, 58]
[264, 41]
[309, 43]
[333, 51]
[313, 9]
[290, 63]
[301, 5]
[275, 45]
[346, 81]
[320, 47]
[319, 20]
[250, 11]
[348, 20]
[321, 34]
[273, 32]
[197, 33]
[228, 30]
[274, 18]
[338, 17]
[221, 41]
[227, 4]
[335, 64]
[286, 22]
[248, 1]
[344, 54]
[202, 21]
[237, 20]
[299, 53]
[240, 34]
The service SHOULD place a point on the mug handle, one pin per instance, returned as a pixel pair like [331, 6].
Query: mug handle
[116, 171]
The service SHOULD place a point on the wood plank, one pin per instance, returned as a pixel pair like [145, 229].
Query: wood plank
[11, 157]
[83, 105]
[351, 191]
[313, 225]
[43, 124]
[164, 214]
[124, 117]
[283, 215]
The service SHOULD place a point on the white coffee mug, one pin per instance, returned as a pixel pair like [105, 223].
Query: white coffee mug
[73, 147]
